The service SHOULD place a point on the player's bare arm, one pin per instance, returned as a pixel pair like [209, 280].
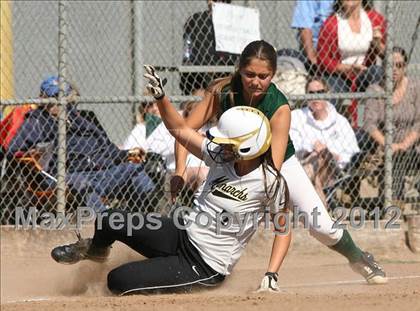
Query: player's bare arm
[280, 125]
[283, 236]
[199, 116]
[281, 243]
[173, 121]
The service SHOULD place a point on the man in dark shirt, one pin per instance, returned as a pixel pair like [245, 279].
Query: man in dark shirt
[95, 167]
[199, 50]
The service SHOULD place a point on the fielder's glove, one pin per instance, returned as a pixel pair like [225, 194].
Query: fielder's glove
[155, 85]
[269, 283]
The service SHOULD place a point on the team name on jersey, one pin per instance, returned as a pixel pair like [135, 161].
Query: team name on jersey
[220, 188]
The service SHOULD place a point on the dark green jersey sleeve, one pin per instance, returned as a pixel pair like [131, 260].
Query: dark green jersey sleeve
[272, 101]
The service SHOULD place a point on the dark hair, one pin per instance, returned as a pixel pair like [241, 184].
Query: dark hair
[141, 109]
[338, 5]
[400, 50]
[256, 49]
[259, 49]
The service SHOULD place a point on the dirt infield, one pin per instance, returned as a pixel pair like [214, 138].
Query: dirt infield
[312, 277]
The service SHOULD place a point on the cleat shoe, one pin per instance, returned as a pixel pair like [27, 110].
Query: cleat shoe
[82, 249]
[369, 269]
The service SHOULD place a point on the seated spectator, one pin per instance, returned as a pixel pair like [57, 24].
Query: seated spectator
[308, 17]
[200, 50]
[160, 141]
[323, 139]
[150, 133]
[152, 118]
[95, 166]
[406, 119]
[148, 118]
[349, 43]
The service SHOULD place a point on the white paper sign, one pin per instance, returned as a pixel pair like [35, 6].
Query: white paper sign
[234, 27]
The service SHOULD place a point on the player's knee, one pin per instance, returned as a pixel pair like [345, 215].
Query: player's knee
[327, 236]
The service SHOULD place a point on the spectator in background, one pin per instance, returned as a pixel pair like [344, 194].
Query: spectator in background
[96, 168]
[148, 118]
[308, 17]
[14, 120]
[151, 118]
[200, 50]
[162, 142]
[406, 119]
[323, 139]
[158, 140]
[349, 43]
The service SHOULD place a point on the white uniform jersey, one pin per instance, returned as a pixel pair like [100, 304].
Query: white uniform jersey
[227, 210]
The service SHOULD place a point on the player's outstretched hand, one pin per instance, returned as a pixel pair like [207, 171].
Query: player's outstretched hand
[269, 283]
[155, 85]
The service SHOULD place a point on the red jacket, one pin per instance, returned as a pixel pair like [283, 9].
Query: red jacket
[329, 56]
[11, 124]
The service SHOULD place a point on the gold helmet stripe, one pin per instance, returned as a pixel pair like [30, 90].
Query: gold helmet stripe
[236, 141]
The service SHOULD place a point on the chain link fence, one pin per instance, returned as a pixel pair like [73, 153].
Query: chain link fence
[343, 138]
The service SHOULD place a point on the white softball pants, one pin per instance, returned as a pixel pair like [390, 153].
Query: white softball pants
[306, 200]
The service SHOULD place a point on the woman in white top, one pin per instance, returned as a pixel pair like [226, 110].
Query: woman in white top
[160, 141]
[323, 139]
[319, 126]
[137, 136]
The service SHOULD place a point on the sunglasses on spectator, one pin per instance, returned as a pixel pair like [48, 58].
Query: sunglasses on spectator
[317, 92]
[399, 65]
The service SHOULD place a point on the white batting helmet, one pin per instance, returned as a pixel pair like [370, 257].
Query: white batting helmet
[246, 128]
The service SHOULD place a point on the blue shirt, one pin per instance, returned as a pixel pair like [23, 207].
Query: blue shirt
[312, 14]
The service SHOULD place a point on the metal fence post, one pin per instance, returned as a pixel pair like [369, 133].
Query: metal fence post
[136, 43]
[389, 126]
[62, 73]
[133, 58]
